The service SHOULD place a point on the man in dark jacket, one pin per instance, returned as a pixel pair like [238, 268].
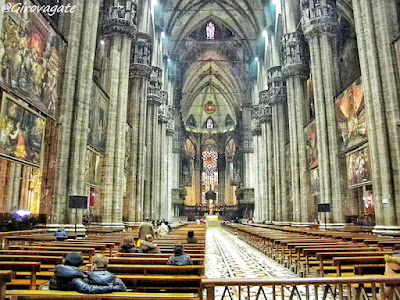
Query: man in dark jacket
[69, 277]
[100, 276]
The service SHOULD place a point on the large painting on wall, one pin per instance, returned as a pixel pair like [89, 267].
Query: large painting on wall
[98, 119]
[351, 118]
[312, 150]
[21, 131]
[31, 59]
[358, 167]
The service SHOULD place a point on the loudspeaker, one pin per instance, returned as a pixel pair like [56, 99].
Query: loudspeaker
[78, 202]
[324, 207]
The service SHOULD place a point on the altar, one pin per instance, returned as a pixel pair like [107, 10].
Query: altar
[212, 217]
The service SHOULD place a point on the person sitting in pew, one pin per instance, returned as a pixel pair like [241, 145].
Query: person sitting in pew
[128, 245]
[180, 258]
[147, 246]
[60, 234]
[100, 276]
[68, 277]
[191, 239]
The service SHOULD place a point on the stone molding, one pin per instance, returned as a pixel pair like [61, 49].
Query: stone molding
[319, 17]
[276, 85]
[295, 55]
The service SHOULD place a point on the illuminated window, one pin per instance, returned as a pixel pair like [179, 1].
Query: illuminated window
[210, 31]
[210, 124]
[210, 173]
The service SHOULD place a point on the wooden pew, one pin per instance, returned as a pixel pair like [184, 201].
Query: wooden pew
[89, 251]
[148, 260]
[325, 259]
[369, 269]
[163, 282]
[47, 262]
[341, 262]
[5, 276]
[32, 267]
[72, 246]
[50, 295]
[149, 255]
[156, 269]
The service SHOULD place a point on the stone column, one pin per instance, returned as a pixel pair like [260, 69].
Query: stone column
[75, 104]
[14, 179]
[140, 70]
[153, 102]
[119, 30]
[376, 26]
[277, 99]
[320, 26]
[295, 70]
[163, 118]
[171, 165]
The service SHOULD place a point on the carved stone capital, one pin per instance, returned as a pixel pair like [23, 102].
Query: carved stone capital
[119, 26]
[276, 85]
[142, 50]
[263, 97]
[295, 55]
[139, 70]
[155, 83]
[319, 17]
[261, 113]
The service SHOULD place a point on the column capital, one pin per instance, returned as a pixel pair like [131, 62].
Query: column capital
[120, 18]
[153, 100]
[276, 85]
[262, 113]
[319, 17]
[164, 97]
[141, 56]
[295, 55]
[155, 83]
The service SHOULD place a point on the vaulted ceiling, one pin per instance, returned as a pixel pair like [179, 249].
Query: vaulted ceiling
[212, 70]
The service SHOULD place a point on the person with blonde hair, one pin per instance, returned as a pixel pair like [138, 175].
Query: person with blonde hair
[100, 276]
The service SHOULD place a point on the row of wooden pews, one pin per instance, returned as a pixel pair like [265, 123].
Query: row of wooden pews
[147, 275]
[314, 252]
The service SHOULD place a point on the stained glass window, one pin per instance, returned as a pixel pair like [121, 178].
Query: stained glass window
[210, 124]
[210, 173]
[210, 31]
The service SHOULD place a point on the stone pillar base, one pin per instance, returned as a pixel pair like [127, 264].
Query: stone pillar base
[301, 224]
[387, 230]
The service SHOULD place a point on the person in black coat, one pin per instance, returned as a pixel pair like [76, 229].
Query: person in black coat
[68, 277]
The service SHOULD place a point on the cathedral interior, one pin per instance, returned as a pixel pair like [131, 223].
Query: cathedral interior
[273, 111]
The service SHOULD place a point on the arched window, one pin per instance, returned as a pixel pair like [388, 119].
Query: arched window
[210, 31]
[191, 122]
[210, 124]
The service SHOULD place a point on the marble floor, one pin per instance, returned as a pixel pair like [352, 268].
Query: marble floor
[227, 256]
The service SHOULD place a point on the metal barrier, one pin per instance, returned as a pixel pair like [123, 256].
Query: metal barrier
[343, 288]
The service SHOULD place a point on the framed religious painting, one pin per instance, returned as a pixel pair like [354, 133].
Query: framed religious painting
[358, 167]
[21, 131]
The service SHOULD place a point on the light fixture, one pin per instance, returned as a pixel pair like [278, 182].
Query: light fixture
[162, 34]
[256, 58]
[265, 33]
[168, 59]
[101, 42]
[155, 2]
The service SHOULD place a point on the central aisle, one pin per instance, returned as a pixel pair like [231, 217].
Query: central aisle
[227, 256]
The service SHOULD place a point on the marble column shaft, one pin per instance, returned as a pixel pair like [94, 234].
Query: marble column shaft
[376, 26]
[81, 36]
[321, 36]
